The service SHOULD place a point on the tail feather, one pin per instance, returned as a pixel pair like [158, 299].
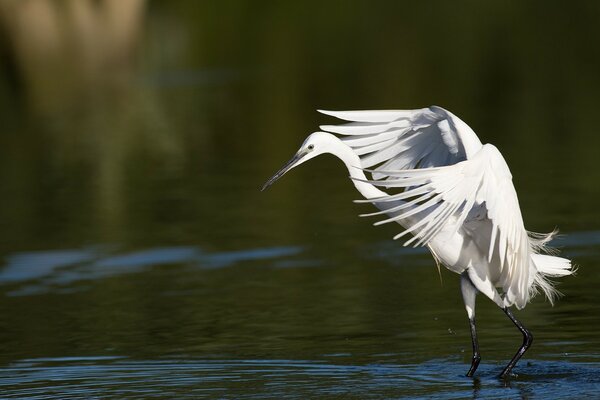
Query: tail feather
[552, 265]
[547, 266]
[539, 242]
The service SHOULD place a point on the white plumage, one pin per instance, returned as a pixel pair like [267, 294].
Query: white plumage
[430, 173]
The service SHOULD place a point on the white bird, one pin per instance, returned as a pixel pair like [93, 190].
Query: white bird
[453, 194]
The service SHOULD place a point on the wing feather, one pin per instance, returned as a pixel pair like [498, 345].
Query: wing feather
[365, 140]
[425, 137]
[369, 115]
[445, 176]
[365, 128]
[443, 197]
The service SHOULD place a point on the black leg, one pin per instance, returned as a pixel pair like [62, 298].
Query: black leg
[469, 293]
[527, 340]
[476, 357]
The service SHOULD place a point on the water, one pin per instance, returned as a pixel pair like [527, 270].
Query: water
[106, 377]
[140, 260]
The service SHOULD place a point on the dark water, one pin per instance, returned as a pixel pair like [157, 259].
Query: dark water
[140, 259]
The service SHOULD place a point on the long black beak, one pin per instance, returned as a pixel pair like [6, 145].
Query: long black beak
[289, 165]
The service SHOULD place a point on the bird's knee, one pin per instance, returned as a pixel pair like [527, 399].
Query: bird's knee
[527, 339]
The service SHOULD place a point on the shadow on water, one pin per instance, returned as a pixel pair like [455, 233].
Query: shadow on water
[264, 378]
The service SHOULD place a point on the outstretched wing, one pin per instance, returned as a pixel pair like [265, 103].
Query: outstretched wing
[444, 197]
[405, 139]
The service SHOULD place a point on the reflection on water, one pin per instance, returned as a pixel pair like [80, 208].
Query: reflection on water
[53, 270]
[140, 259]
[582, 244]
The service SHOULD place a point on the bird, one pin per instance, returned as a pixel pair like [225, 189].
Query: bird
[427, 170]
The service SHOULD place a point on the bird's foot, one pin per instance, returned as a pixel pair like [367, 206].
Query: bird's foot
[507, 374]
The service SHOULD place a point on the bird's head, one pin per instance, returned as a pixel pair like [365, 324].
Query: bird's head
[315, 144]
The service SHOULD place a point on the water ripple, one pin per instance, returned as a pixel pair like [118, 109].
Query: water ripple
[253, 379]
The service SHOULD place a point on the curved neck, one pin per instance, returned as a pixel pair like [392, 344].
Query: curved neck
[352, 162]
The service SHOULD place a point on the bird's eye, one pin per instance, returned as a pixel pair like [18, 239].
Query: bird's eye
[311, 146]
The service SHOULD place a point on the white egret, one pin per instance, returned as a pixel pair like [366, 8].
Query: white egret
[453, 194]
